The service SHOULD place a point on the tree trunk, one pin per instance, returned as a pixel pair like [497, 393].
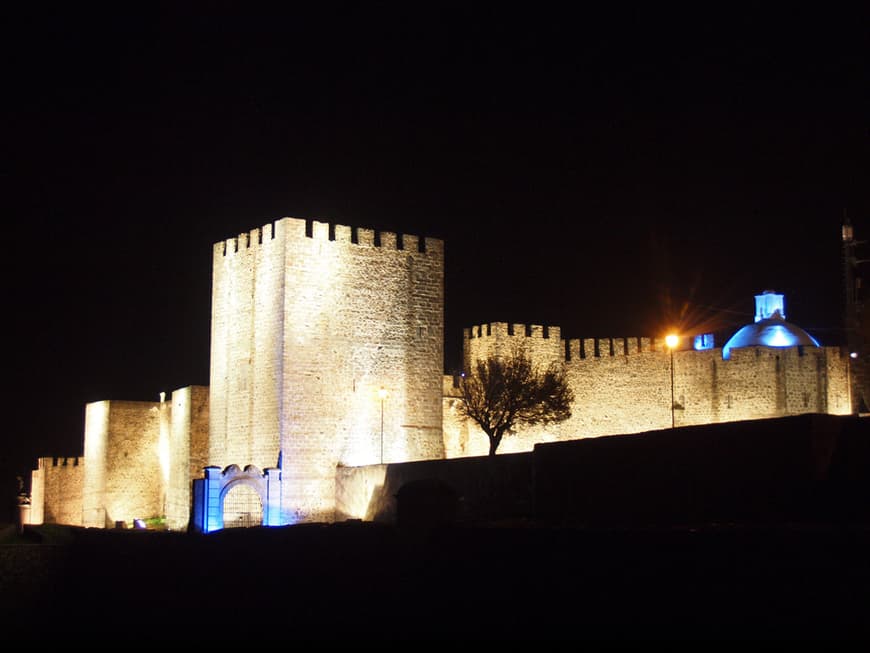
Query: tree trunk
[494, 441]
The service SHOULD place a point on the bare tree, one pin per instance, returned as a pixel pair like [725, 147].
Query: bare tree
[501, 393]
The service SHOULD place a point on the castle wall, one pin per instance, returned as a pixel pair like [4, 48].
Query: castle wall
[490, 488]
[361, 317]
[327, 351]
[798, 468]
[56, 491]
[247, 343]
[122, 477]
[340, 314]
[94, 482]
[762, 382]
[776, 470]
[749, 385]
[542, 343]
[164, 451]
[188, 451]
[36, 515]
[623, 386]
[458, 432]
[840, 399]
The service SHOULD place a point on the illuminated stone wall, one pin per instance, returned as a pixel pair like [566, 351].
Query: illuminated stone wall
[246, 348]
[56, 491]
[838, 381]
[187, 451]
[760, 382]
[309, 322]
[361, 493]
[622, 385]
[122, 475]
[542, 343]
[461, 437]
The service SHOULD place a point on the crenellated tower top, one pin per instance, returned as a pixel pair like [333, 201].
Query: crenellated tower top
[328, 231]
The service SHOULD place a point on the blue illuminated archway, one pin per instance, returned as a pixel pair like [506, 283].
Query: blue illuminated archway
[209, 494]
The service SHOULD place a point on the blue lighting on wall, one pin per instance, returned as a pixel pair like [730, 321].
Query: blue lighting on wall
[703, 341]
[209, 493]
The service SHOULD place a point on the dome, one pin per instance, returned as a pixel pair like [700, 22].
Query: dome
[770, 328]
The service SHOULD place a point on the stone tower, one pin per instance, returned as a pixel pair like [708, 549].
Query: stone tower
[326, 350]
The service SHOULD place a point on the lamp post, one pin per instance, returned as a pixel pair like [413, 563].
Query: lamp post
[852, 411]
[672, 340]
[382, 393]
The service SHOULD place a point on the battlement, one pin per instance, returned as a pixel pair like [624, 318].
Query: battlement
[59, 461]
[576, 348]
[505, 329]
[581, 348]
[328, 231]
[572, 349]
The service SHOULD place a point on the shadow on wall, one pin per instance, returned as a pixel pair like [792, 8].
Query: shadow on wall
[427, 502]
[482, 488]
[805, 468]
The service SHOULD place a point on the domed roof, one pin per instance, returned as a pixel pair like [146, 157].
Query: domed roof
[770, 328]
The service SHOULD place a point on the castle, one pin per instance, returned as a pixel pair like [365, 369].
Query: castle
[327, 352]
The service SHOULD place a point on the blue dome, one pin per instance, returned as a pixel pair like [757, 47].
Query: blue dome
[770, 328]
[771, 332]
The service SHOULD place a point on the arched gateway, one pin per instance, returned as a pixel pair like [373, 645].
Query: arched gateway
[236, 498]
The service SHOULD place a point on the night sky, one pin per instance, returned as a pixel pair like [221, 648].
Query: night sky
[615, 173]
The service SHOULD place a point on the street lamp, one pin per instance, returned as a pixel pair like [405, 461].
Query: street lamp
[852, 356]
[672, 340]
[382, 393]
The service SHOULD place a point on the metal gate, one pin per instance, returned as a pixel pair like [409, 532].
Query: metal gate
[235, 498]
[242, 507]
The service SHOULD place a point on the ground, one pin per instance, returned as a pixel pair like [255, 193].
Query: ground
[371, 581]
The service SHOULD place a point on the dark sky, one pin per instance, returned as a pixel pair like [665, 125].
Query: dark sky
[611, 172]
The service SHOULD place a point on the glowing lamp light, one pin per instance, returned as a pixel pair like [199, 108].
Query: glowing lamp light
[139, 523]
[672, 340]
[853, 354]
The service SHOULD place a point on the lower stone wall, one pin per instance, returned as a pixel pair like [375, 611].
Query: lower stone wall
[792, 469]
[487, 488]
[804, 468]
[56, 491]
